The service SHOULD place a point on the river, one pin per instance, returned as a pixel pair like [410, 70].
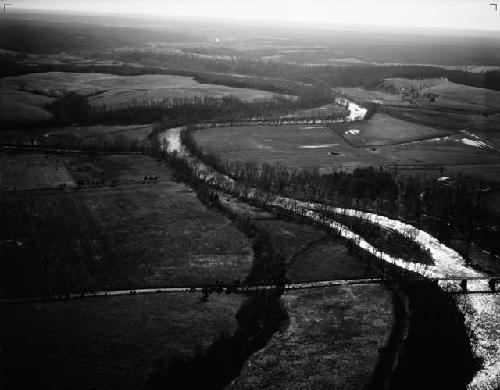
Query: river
[481, 311]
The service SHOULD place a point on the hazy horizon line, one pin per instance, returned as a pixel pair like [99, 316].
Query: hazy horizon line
[314, 25]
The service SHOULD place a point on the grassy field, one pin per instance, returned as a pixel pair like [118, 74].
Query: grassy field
[123, 169]
[328, 259]
[331, 342]
[116, 237]
[20, 105]
[308, 146]
[105, 343]
[31, 171]
[485, 126]
[383, 129]
[32, 91]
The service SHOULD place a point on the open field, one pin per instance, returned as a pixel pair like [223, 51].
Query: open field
[484, 126]
[383, 129]
[332, 341]
[116, 237]
[106, 343]
[32, 91]
[18, 105]
[328, 259]
[31, 171]
[308, 146]
[118, 168]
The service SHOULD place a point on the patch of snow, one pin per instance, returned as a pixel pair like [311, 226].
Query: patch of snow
[477, 144]
[316, 146]
[352, 132]
[356, 112]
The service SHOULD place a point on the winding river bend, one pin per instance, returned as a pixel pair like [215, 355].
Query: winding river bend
[481, 311]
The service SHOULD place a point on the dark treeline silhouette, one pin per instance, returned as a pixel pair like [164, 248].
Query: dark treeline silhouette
[438, 342]
[385, 240]
[70, 108]
[455, 208]
[196, 109]
[451, 208]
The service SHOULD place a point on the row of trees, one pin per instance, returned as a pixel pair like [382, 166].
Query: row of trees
[362, 183]
[456, 208]
[74, 108]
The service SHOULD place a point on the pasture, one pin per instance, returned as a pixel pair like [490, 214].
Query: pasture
[485, 126]
[299, 146]
[106, 343]
[332, 340]
[123, 237]
[383, 129]
[18, 106]
[33, 171]
[118, 168]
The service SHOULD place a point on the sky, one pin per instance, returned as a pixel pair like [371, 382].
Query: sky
[457, 14]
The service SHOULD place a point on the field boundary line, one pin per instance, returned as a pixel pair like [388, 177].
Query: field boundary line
[241, 288]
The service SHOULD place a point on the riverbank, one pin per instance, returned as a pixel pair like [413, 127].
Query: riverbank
[447, 262]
